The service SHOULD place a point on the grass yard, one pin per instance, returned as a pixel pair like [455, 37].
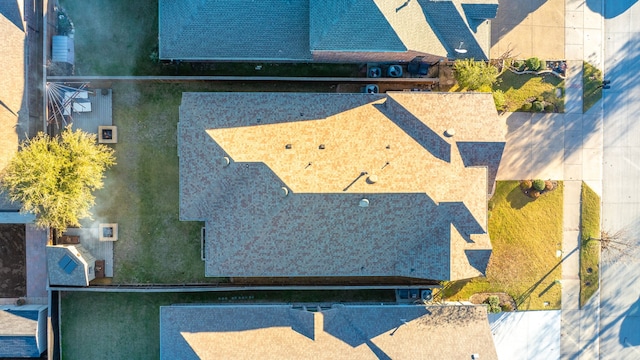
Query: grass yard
[120, 37]
[592, 89]
[525, 235]
[127, 325]
[113, 37]
[141, 192]
[523, 89]
[589, 250]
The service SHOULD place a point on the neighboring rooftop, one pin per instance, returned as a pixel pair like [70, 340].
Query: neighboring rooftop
[323, 30]
[22, 331]
[279, 177]
[12, 78]
[339, 332]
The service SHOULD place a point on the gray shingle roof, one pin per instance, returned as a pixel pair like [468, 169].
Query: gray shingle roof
[19, 331]
[68, 265]
[447, 22]
[10, 10]
[234, 30]
[343, 331]
[273, 30]
[350, 25]
[318, 229]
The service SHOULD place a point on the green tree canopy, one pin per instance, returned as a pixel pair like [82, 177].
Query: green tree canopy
[473, 75]
[53, 177]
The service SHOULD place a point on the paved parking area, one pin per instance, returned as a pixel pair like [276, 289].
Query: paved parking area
[530, 28]
[526, 335]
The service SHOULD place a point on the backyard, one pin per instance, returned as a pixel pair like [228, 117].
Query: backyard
[106, 45]
[525, 235]
[128, 324]
[141, 191]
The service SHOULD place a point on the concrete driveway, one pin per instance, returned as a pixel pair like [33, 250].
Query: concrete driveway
[529, 28]
[526, 335]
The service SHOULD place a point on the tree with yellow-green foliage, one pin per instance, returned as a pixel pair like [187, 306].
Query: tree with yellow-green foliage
[474, 75]
[54, 177]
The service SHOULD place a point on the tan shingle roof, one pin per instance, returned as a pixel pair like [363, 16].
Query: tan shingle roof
[423, 183]
[12, 83]
[341, 332]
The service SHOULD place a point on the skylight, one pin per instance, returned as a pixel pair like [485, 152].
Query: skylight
[67, 264]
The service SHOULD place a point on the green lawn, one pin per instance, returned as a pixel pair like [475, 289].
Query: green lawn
[589, 250]
[120, 37]
[141, 192]
[127, 325]
[520, 89]
[591, 82]
[525, 235]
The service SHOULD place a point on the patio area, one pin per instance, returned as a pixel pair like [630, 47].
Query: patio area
[89, 238]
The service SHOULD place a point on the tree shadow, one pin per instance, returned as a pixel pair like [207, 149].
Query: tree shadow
[610, 9]
[525, 295]
[517, 199]
[629, 334]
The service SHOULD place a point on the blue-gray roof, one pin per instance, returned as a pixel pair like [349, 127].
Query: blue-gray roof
[234, 30]
[448, 24]
[292, 30]
[352, 25]
[19, 331]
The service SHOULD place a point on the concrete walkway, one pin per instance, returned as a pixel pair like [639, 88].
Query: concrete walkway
[583, 42]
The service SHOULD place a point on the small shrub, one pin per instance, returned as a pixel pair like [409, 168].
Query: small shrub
[494, 304]
[526, 107]
[507, 307]
[533, 64]
[538, 184]
[484, 88]
[518, 64]
[548, 185]
[549, 108]
[526, 184]
[499, 100]
[534, 194]
[537, 106]
[540, 98]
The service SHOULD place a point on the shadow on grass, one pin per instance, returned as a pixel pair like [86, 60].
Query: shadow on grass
[592, 89]
[525, 295]
[451, 288]
[517, 199]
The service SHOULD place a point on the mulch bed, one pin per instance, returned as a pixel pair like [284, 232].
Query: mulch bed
[13, 275]
[482, 298]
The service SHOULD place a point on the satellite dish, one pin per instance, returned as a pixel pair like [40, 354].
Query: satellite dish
[460, 50]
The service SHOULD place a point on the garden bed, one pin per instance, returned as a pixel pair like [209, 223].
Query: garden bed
[521, 91]
[506, 301]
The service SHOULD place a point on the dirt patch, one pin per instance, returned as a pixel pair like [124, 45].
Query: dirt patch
[13, 275]
[482, 298]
